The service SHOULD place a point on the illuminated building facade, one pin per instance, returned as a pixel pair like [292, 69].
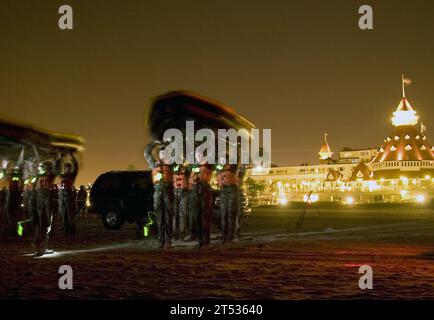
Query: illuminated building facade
[401, 169]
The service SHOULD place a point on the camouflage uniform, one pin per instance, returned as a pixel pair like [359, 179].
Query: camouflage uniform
[240, 213]
[163, 196]
[44, 183]
[67, 200]
[199, 198]
[229, 200]
[13, 201]
[180, 209]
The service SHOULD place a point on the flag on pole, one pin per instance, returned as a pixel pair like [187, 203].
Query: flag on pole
[406, 81]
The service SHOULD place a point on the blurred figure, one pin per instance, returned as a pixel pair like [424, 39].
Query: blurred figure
[14, 199]
[199, 201]
[47, 172]
[229, 198]
[3, 193]
[67, 199]
[180, 204]
[29, 194]
[240, 214]
[163, 194]
[54, 196]
[81, 201]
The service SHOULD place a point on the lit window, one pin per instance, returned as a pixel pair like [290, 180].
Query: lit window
[407, 137]
[392, 148]
[423, 148]
[408, 147]
[396, 138]
[417, 137]
[388, 139]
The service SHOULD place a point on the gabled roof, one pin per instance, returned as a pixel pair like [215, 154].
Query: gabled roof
[361, 171]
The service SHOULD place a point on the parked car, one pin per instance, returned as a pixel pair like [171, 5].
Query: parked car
[127, 196]
[119, 196]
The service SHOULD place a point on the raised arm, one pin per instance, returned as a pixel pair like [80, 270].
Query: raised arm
[152, 162]
[75, 167]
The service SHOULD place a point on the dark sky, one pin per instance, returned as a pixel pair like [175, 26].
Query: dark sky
[297, 67]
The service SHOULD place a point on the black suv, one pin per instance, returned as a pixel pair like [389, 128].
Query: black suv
[120, 196]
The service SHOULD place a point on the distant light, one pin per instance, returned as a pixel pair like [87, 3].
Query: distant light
[283, 201]
[349, 200]
[260, 170]
[403, 193]
[427, 177]
[404, 118]
[282, 198]
[313, 198]
[420, 198]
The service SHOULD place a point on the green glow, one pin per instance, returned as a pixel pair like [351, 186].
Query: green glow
[20, 227]
[219, 167]
[196, 169]
[15, 178]
[33, 180]
[176, 168]
[2, 175]
[147, 227]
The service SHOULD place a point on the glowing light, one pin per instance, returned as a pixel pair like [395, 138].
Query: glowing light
[148, 225]
[313, 198]
[420, 198]
[427, 177]
[158, 177]
[404, 118]
[282, 199]
[372, 185]
[260, 170]
[403, 193]
[349, 200]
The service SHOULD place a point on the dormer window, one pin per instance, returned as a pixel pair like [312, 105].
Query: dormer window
[381, 149]
[396, 138]
[392, 148]
[408, 147]
[388, 139]
[423, 148]
[417, 137]
[407, 137]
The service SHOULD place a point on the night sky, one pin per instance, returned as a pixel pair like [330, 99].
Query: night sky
[298, 67]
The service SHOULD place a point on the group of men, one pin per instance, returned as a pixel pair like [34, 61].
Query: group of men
[183, 200]
[30, 196]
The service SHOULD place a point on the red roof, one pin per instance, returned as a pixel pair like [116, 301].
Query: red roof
[361, 171]
[405, 143]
